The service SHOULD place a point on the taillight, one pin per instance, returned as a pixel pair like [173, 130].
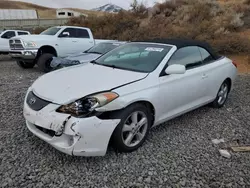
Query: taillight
[234, 63]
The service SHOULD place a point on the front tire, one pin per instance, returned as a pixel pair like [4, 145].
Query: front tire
[222, 95]
[25, 65]
[133, 129]
[44, 61]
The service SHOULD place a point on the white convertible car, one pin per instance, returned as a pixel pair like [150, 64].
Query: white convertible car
[116, 99]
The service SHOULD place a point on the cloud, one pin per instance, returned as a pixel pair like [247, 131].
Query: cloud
[85, 4]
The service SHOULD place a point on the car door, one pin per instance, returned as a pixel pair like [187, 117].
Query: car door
[180, 93]
[67, 44]
[4, 42]
[213, 74]
[84, 41]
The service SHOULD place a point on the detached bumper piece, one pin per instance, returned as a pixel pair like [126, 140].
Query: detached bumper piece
[57, 62]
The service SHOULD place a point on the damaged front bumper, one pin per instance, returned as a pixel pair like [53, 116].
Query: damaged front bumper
[70, 135]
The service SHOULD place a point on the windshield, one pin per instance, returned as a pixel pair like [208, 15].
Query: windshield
[140, 57]
[103, 48]
[51, 31]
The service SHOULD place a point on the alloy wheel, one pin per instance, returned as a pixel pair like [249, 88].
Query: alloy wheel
[134, 128]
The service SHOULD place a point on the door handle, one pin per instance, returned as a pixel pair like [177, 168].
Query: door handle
[204, 76]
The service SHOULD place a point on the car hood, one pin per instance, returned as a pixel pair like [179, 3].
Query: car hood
[33, 37]
[69, 84]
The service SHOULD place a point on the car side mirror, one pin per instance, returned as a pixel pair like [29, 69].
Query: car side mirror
[64, 34]
[175, 69]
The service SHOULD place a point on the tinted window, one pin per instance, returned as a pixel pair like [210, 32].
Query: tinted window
[82, 33]
[51, 31]
[103, 48]
[22, 33]
[135, 57]
[188, 56]
[71, 31]
[8, 34]
[206, 56]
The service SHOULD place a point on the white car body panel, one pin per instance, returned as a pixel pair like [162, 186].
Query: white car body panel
[170, 96]
[4, 43]
[70, 86]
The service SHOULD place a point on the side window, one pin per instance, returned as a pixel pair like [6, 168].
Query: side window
[82, 33]
[206, 56]
[22, 33]
[188, 56]
[8, 34]
[71, 31]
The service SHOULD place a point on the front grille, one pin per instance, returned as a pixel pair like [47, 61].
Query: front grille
[36, 103]
[16, 45]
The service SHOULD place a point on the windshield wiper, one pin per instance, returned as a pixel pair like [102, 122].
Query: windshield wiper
[94, 52]
[94, 62]
[112, 66]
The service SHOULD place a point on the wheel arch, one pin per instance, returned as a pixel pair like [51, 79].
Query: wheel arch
[149, 105]
[46, 49]
[229, 80]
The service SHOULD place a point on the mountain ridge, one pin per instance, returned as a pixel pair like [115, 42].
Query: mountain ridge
[111, 8]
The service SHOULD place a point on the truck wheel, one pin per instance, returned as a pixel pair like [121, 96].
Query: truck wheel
[44, 61]
[25, 65]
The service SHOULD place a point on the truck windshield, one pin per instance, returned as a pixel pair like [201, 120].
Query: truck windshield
[51, 31]
[139, 57]
[103, 48]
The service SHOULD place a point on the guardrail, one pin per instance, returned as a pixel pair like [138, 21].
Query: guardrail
[31, 23]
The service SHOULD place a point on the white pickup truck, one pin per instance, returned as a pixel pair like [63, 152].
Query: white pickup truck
[58, 41]
[5, 36]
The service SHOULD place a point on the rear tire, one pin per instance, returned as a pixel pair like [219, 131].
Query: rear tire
[25, 65]
[131, 132]
[44, 61]
[222, 95]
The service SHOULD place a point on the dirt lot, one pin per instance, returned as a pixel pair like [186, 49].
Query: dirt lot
[179, 153]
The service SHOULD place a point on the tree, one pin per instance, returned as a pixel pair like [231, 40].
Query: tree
[134, 5]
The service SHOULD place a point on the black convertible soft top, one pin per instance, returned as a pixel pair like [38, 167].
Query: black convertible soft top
[180, 43]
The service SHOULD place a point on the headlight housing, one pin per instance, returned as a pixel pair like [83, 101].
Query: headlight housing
[29, 44]
[87, 105]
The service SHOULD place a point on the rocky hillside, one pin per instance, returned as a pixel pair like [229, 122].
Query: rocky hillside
[218, 23]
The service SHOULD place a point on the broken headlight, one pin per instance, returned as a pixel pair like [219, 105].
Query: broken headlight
[88, 104]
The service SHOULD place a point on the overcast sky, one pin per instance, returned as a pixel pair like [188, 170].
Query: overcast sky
[86, 4]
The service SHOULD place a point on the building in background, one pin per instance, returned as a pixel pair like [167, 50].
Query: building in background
[65, 13]
[17, 14]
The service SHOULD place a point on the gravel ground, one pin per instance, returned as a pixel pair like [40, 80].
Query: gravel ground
[179, 153]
